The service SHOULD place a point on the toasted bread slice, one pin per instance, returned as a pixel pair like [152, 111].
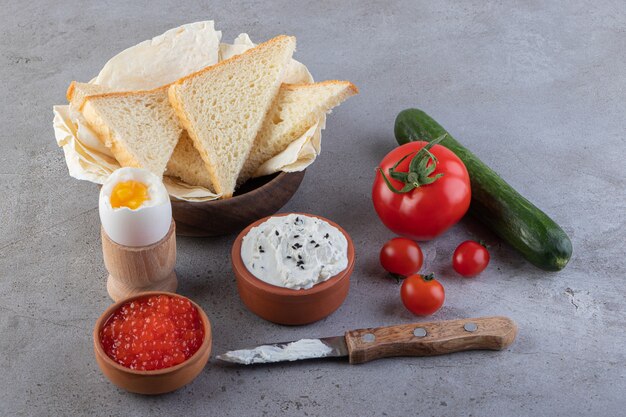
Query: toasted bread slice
[77, 92]
[223, 106]
[296, 108]
[140, 127]
[187, 165]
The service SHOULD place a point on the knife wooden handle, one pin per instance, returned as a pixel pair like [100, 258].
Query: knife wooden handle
[429, 339]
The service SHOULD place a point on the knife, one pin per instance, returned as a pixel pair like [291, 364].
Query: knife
[364, 345]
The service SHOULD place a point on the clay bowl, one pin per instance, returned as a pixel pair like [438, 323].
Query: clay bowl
[257, 198]
[285, 305]
[158, 381]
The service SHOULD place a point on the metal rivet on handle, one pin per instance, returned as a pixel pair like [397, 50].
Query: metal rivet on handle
[470, 327]
[368, 337]
[419, 332]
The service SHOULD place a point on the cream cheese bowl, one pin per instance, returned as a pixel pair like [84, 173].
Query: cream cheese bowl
[291, 306]
[143, 226]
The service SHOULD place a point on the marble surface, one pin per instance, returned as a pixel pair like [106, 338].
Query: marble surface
[535, 88]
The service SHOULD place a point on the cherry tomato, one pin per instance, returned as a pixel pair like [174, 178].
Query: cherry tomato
[401, 256]
[422, 294]
[432, 199]
[470, 258]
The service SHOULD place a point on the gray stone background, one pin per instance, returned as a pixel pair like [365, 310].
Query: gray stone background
[535, 88]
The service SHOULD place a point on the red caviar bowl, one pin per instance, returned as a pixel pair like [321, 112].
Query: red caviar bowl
[158, 381]
[285, 305]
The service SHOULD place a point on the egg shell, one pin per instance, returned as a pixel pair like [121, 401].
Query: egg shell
[141, 227]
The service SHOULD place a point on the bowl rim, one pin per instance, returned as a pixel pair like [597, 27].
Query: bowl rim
[279, 175]
[206, 342]
[242, 271]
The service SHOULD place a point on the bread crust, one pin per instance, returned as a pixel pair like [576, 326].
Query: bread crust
[123, 94]
[233, 58]
[353, 88]
[69, 94]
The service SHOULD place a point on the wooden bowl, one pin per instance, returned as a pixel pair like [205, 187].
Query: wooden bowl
[158, 381]
[257, 198]
[285, 305]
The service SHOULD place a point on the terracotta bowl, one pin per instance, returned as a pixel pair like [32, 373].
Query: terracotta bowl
[257, 198]
[285, 305]
[158, 381]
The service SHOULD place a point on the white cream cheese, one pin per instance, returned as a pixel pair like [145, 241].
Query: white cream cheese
[302, 349]
[294, 251]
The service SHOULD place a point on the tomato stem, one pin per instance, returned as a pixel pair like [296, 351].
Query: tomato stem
[428, 277]
[398, 277]
[420, 169]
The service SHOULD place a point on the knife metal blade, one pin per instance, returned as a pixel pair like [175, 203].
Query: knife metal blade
[326, 347]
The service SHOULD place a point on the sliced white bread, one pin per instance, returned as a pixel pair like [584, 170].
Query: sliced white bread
[140, 127]
[296, 108]
[77, 92]
[223, 106]
[187, 165]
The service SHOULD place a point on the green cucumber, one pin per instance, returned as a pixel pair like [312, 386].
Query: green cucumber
[494, 202]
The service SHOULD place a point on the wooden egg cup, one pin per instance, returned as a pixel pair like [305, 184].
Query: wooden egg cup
[134, 270]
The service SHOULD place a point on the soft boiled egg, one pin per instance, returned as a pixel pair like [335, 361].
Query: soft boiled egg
[135, 208]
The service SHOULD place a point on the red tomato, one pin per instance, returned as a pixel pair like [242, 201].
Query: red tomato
[430, 209]
[422, 294]
[401, 256]
[470, 258]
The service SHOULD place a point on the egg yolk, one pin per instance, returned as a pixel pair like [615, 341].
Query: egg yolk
[131, 194]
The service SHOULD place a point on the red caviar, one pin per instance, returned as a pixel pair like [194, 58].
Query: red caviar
[154, 332]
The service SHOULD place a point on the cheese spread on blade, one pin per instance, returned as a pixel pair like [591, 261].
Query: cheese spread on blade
[302, 349]
[294, 251]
